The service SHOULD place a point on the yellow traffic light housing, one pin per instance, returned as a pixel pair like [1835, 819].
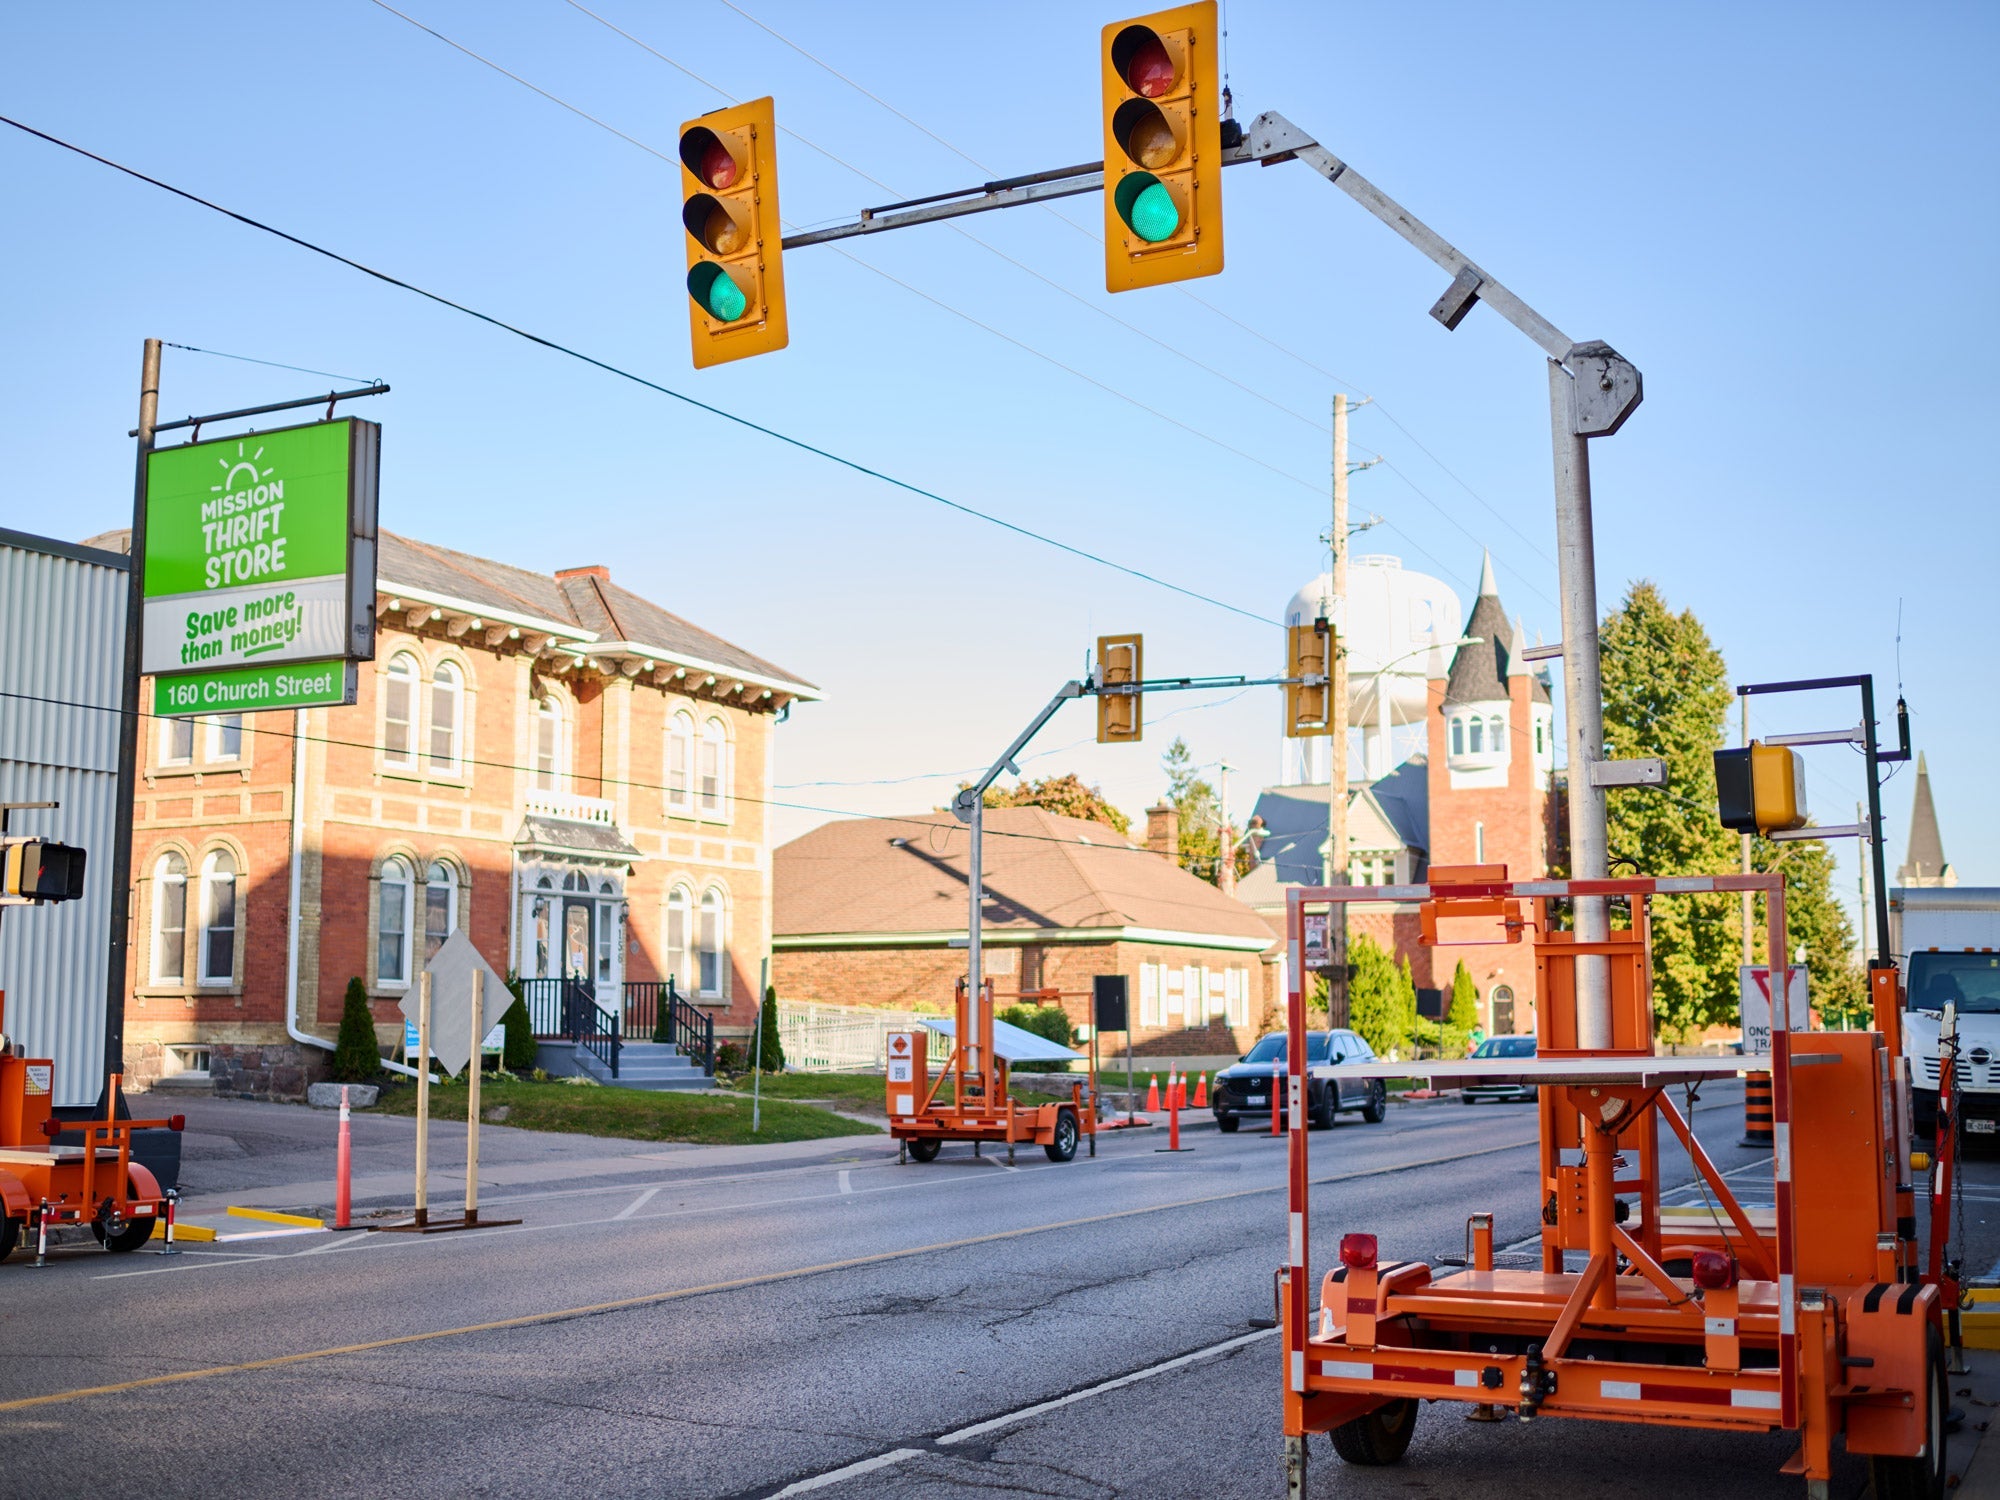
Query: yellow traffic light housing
[729, 208]
[1120, 662]
[1309, 702]
[1162, 148]
[1760, 788]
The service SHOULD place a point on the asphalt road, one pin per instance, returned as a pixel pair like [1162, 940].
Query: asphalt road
[671, 1323]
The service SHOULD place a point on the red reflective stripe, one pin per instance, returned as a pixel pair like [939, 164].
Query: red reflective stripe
[1700, 1395]
[1361, 1304]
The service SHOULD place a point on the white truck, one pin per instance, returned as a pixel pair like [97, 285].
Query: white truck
[1947, 940]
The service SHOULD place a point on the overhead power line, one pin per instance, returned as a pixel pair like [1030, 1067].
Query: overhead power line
[652, 385]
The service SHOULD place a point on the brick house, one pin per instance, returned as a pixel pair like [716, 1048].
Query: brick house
[867, 911]
[566, 770]
[1482, 792]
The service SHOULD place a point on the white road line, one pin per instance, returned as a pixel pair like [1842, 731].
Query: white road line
[846, 1181]
[636, 1204]
[993, 1424]
[200, 1265]
[852, 1471]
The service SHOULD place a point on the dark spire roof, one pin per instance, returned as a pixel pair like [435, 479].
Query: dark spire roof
[1925, 863]
[1479, 673]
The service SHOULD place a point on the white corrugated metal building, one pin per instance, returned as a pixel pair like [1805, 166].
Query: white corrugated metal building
[62, 623]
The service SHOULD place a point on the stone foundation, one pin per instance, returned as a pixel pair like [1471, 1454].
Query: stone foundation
[280, 1072]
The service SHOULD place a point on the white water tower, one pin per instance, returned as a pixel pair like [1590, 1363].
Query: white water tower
[1398, 627]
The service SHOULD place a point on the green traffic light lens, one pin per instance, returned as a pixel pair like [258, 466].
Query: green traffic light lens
[715, 291]
[1147, 208]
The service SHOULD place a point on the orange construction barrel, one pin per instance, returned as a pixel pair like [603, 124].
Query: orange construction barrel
[1757, 1110]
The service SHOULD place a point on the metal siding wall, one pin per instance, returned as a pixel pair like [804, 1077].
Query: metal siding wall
[61, 634]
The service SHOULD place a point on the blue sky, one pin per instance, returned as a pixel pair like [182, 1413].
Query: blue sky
[1780, 213]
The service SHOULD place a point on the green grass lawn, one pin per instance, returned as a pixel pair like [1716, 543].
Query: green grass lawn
[633, 1114]
[859, 1093]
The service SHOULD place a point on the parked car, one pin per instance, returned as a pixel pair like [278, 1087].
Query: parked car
[1503, 1093]
[1243, 1090]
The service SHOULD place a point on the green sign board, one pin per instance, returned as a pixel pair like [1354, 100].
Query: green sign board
[260, 553]
[243, 690]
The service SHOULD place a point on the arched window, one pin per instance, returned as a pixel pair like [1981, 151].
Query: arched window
[218, 918]
[169, 919]
[399, 708]
[176, 741]
[392, 923]
[607, 932]
[1457, 735]
[714, 942]
[1496, 732]
[680, 904]
[1503, 1010]
[548, 745]
[440, 906]
[447, 701]
[225, 737]
[680, 763]
[1478, 735]
[714, 780]
[575, 882]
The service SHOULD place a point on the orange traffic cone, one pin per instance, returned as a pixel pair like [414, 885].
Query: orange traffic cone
[1153, 1092]
[1180, 1090]
[1201, 1091]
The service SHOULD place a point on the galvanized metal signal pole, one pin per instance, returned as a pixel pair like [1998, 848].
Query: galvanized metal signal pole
[1337, 1011]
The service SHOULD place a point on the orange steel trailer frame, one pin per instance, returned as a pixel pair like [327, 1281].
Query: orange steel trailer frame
[1811, 1317]
[977, 1106]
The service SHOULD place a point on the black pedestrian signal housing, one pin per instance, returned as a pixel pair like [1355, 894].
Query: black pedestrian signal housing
[39, 870]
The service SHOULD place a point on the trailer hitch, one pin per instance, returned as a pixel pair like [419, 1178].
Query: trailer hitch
[1538, 1383]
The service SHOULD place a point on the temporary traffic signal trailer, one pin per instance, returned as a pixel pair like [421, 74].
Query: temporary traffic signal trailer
[1811, 1316]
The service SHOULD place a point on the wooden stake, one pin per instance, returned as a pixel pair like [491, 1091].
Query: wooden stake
[472, 1098]
[423, 1098]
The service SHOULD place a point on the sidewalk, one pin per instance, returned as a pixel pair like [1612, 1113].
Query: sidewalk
[1973, 1453]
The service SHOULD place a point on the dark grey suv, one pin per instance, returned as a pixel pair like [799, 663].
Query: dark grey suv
[1244, 1091]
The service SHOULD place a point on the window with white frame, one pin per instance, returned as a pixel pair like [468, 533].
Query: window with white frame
[1149, 994]
[548, 745]
[1214, 985]
[609, 912]
[447, 716]
[680, 912]
[714, 942]
[440, 906]
[1236, 997]
[176, 742]
[218, 918]
[169, 919]
[713, 781]
[1476, 735]
[392, 922]
[1496, 734]
[399, 711]
[225, 737]
[680, 763]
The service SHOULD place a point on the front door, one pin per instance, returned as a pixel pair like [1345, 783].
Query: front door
[577, 947]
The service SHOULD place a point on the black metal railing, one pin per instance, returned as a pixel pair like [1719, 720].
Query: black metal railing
[567, 1010]
[654, 1008]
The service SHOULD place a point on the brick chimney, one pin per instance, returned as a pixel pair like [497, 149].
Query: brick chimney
[595, 570]
[1163, 831]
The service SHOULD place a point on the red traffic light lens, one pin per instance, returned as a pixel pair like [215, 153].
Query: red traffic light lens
[1713, 1270]
[1142, 61]
[704, 154]
[1358, 1251]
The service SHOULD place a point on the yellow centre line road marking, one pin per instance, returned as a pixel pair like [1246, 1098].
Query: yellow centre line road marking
[651, 1299]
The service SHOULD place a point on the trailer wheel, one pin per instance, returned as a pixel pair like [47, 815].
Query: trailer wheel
[923, 1150]
[1921, 1477]
[1381, 1437]
[135, 1233]
[1063, 1147]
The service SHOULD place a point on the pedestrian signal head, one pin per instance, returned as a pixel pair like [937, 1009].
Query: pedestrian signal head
[38, 870]
[1120, 664]
[1162, 147]
[729, 208]
[1760, 788]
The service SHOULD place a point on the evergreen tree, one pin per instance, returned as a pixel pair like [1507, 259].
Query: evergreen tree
[517, 1047]
[772, 1058]
[357, 1058]
[1666, 693]
[1407, 1020]
[1374, 996]
[1200, 812]
[1463, 1017]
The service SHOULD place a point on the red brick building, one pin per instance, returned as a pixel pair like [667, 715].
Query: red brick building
[569, 772]
[868, 911]
[1481, 792]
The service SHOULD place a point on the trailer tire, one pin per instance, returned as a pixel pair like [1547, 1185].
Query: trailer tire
[1063, 1147]
[1921, 1477]
[1381, 1437]
[924, 1150]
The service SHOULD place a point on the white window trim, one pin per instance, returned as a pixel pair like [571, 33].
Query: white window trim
[718, 811]
[454, 767]
[382, 887]
[679, 969]
[161, 880]
[557, 712]
[167, 728]
[212, 735]
[720, 990]
[681, 728]
[410, 759]
[206, 922]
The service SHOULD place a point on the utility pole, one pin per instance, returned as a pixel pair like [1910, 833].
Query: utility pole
[1336, 744]
[1749, 903]
[119, 943]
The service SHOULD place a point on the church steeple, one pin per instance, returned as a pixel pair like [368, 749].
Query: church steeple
[1925, 863]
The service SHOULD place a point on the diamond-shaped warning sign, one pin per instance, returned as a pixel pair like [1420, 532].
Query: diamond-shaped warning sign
[899, 1043]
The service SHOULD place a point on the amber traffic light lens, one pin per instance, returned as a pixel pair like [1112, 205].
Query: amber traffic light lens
[1142, 61]
[1150, 140]
[715, 227]
[704, 154]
